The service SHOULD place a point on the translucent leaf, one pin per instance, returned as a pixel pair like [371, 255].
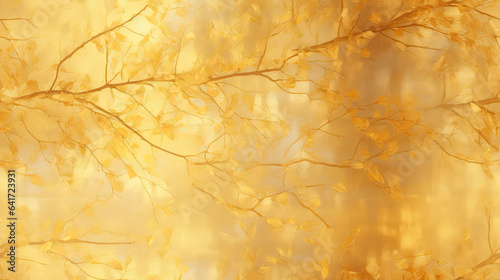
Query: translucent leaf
[275, 222]
[87, 210]
[325, 268]
[130, 171]
[360, 123]
[286, 16]
[307, 226]
[400, 46]
[47, 246]
[35, 180]
[116, 184]
[353, 94]
[350, 240]
[366, 53]
[364, 152]
[56, 231]
[340, 187]
[114, 264]
[332, 51]
[282, 198]
[439, 64]
[474, 107]
[264, 269]
[374, 174]
[181, 12]
[357, 165]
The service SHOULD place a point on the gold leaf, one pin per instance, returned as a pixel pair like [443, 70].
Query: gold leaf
[360, 123]
[356, 165]
[366, 53]
[399, 32]
[114, 264]
[286, 16]
[264, 269]
[350, 240]
[87, 210]
[474, 107]
[33, 85]
[116, 184]
[120, 36]
[383, 100]
[353, 94]
[332, 51]
[272, 259]
[181, 12]
[400, 46]
[275, 222]
[47, 246]
[392, 147]
[307, 226]
[58, 227]
[130, 171]
[282, 198]
[439, 64]
[68, 273]
[181, 266]
[35, 180]
[325, 268]
[189, 36]
[364, 152]
[368, 34]
[374, 174]
[340, 187]
[375, 17]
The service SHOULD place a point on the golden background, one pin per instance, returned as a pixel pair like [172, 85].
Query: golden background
[347, 139]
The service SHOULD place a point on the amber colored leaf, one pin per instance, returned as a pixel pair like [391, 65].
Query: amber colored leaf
[120, 36]
[35, 180]
[383, 100]
[375, 17]
[364, 153]
[286, 16]
[87, 210]
[353, 94]
[130, 171]
[47, 246]
[115, 264]
[325, 268]
[340, 187]
[116, 184]
[58, 227]
[366, 53]
[264, 269]
[374, 173]
[282, 198]
[181, 12]
[474, 107]
[360, 123]
[350, 240]
[307, 226]
[356, 165]
[438, 64]
[332, 51]
[33, 85]
[275, 222]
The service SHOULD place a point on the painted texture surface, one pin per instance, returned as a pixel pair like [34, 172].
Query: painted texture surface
[347, 139]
